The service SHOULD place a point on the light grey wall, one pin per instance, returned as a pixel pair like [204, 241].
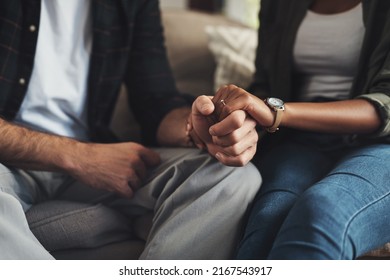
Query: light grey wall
[175, 4]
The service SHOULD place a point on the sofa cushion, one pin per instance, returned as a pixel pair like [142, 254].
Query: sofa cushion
[124, 250]
[234, 50]
[60, 225]
[186, 40]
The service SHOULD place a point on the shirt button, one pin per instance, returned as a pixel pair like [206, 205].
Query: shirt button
[22, 81]
[33, 28]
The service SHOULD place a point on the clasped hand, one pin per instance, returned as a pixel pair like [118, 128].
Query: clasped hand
[232, 139]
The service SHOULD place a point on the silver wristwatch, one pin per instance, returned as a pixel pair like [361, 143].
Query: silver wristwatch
[276, 105]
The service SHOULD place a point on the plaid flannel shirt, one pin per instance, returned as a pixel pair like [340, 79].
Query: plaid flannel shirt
[128, 47]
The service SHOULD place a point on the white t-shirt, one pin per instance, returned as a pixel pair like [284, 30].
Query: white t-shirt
[57, 93]
[326, 53]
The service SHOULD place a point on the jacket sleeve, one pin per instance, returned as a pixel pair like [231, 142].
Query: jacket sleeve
[149, 79]
[381, 102]
[379, 94]
[260, 84]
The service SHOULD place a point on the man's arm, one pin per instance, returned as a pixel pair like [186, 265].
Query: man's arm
[25, 148]
[113, 167]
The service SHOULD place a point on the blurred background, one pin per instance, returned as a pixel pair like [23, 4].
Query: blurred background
[243, 11]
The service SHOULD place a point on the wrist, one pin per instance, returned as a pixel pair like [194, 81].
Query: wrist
[72, 156]
[172, 130]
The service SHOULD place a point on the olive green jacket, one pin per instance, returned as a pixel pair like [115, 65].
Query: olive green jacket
[279, 23]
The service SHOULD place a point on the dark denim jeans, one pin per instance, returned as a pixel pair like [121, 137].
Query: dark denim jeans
[320, 199]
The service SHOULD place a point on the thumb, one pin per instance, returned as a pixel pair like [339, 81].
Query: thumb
[203, 106]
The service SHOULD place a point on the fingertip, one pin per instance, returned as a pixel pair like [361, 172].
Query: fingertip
[212, 132]
[205, 105]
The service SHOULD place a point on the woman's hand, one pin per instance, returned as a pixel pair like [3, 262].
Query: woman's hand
[231, 98]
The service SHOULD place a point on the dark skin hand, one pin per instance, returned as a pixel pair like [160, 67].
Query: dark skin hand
[357, 116]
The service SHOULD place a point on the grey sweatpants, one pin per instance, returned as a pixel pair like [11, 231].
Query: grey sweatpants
[198, 206]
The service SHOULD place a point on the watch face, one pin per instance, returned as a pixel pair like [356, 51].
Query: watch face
[275, 102]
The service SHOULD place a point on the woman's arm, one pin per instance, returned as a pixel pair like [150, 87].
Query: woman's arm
[357, 116]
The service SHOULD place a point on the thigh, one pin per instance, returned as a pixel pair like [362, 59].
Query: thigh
[345, 214]
[287, 172]
[175, 167]
[30, 187]
[18, 192]
[179, 167]
[198, 201]
[292, 168]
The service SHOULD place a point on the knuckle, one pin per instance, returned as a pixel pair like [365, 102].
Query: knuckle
[234, 150]
[231, 87]
[234, 137]
[241, 161]
[255, 137]
[238, 119]
[247, 98]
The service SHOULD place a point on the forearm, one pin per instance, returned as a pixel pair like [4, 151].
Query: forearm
[356, 116]
[25, 148]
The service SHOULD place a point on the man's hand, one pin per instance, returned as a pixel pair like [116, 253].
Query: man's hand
[118, 168]
[232, 140]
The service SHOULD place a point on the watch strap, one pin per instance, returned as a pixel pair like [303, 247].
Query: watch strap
[278, 119]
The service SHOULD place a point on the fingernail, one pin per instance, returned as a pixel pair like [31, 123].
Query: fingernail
[211, 131]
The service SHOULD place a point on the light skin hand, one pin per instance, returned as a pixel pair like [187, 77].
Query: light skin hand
[119, 168]
[232, 141]
[113, 167]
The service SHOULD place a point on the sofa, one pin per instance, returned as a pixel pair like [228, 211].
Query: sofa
[69, 230]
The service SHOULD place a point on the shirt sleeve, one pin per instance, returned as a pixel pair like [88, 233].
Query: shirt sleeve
[378, 91]
[149, 79]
